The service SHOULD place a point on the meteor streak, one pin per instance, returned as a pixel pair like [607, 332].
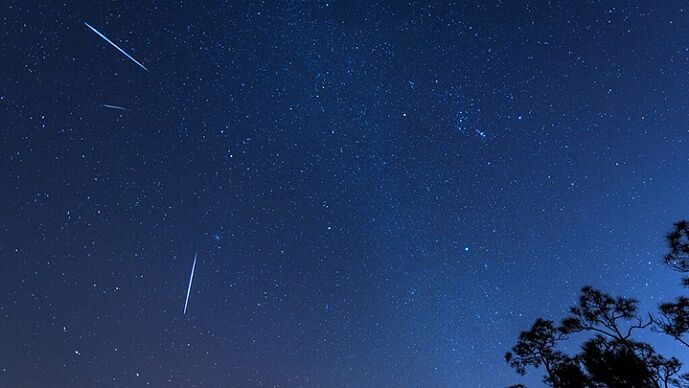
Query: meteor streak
[114, 107]
[117, 47]
[191, 278]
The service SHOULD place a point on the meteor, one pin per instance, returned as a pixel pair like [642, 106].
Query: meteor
[117, 47]
[191, 278]
[114, 107]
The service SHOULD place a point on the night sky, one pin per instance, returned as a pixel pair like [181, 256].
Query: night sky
[380, 194]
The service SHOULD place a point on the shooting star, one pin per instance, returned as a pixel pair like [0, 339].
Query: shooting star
[191, 278]
[117, 47]
[114, 107]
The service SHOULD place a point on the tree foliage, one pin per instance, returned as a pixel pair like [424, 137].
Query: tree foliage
[674, 319]
[601, 313]
[673, 316]
[613, 364]
[536, 347]
[611, 357]
[678, 242]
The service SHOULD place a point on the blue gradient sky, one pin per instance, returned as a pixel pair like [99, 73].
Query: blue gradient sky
[381, 194]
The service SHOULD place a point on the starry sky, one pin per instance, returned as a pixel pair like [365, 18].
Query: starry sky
[381, 194]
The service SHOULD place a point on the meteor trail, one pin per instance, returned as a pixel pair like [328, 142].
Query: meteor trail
[114, 107]
[117, 47]
[191, 278]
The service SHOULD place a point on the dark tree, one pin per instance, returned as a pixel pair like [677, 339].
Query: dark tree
[536, 347]
[665, 371]
[612, 357]
[674, 316]
[674, 319]
[678, 242]
[568, 374]
[614, 320]
[613, 317]
[612, 364]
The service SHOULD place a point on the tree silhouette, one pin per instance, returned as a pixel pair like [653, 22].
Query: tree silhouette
[674, 316]
[601, 313]
[665, 371]
[615, 365]
[678, 242]
[536, 347]
[674, 319]
[612, 357]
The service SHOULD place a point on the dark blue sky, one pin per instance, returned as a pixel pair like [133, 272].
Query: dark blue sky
[380, 194]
